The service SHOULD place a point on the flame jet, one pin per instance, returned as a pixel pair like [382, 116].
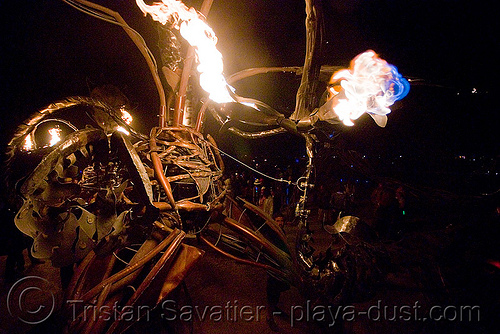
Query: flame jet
[199, 35]
[370, 85]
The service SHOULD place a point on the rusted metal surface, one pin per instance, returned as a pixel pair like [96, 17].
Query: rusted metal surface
[307, 94]
[151, 286]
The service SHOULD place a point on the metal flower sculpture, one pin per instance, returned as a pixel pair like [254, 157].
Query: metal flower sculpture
[119, 205]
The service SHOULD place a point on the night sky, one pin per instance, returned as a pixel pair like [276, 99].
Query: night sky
[447, 48]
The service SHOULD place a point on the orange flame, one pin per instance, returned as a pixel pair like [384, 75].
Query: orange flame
[55, 136]
[28, 143]
[126, 117]
[199, 35]
[370, 86]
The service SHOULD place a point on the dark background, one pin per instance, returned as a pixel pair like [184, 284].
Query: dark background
[446, 48]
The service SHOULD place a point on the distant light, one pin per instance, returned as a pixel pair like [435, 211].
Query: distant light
[474, 91]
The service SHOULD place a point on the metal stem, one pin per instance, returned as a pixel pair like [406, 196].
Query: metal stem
[306, 95]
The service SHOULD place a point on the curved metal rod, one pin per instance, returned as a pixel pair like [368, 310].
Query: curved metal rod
[125, 272]
[268, 220]
[60, 120]
[277, 254]
[216, 152]
[164, 261]
[186, 73]
[158, 168]
[326, 71]
[259, 105]
[28, 125]
[138, 41]
[181, 205]
[75, 286]
[246, 134]
[68, 123]
[240, 260]
[75, 141]
[40, 116]
[89, 325]
[201, 116]
[256, 135]
[249, 72]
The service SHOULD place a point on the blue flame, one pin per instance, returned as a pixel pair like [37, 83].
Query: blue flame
[398, 85]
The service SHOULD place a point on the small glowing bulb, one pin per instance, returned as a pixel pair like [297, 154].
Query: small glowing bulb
[55, 136]
[126, 117]
[28, 143]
